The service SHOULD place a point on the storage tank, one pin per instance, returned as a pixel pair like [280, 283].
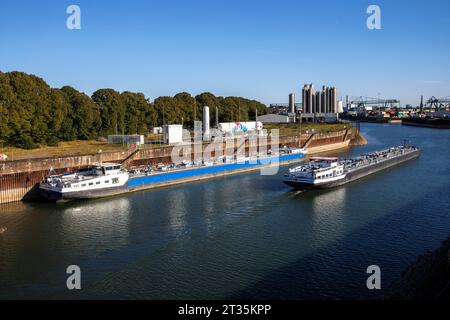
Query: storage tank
[340, 107]
[292, 103]
[206, 123]
[234, 127]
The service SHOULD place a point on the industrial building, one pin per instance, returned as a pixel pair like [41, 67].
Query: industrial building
[173, 133]
[320, 105]
[274, 118]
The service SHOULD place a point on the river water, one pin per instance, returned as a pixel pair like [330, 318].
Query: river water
[243, 236]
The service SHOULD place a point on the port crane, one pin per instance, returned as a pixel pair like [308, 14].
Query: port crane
[364, 101]
[439, 103]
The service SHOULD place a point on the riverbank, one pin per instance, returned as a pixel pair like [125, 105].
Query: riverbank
[18, 179]
[426, 279]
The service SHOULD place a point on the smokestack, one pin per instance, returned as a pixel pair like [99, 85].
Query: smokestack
[205, 123]
[217, 117]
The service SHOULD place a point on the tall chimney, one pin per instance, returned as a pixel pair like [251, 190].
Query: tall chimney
[217, 117]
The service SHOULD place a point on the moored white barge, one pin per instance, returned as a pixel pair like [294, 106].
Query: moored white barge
[323, 172]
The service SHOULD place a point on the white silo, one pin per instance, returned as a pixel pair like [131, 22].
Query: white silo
[205, 123]
[291, 103]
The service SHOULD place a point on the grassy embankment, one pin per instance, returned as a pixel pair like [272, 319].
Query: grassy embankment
[69, 148]
[77, 147]
[293, 129]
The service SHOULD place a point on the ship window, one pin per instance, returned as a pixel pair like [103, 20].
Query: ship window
[91, 183]
[117, 167]
[83, 185]
[115, 180]
[106, 181]
[98, 182]
[75, 186]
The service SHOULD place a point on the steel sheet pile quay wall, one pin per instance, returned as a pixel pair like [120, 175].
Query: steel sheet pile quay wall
[76, 161]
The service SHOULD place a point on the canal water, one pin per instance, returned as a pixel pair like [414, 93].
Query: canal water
[243, 236]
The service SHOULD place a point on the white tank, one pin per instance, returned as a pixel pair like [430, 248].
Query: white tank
[206, 123]
[233, 127]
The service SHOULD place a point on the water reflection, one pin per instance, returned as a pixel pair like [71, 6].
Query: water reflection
[209, 207]
[328, 208]
[176, 211]
[93, 225]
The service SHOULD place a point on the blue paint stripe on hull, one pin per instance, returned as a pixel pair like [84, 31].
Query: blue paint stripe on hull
[189, 173]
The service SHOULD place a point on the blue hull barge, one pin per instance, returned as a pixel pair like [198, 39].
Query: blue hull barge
[110, 179]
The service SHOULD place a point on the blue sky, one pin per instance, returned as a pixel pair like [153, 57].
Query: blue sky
[254, 48]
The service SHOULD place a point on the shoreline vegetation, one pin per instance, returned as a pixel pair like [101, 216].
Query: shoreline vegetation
[428, 278]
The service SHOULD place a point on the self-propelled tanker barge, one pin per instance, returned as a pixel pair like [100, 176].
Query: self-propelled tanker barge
[109, 179]
[323, 172]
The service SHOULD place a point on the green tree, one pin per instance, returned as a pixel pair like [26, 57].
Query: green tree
[140, 115]
[85, 114]
[112, 111]
[32, 113]
[188, 106]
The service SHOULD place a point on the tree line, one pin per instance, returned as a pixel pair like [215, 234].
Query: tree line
[32, 113]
